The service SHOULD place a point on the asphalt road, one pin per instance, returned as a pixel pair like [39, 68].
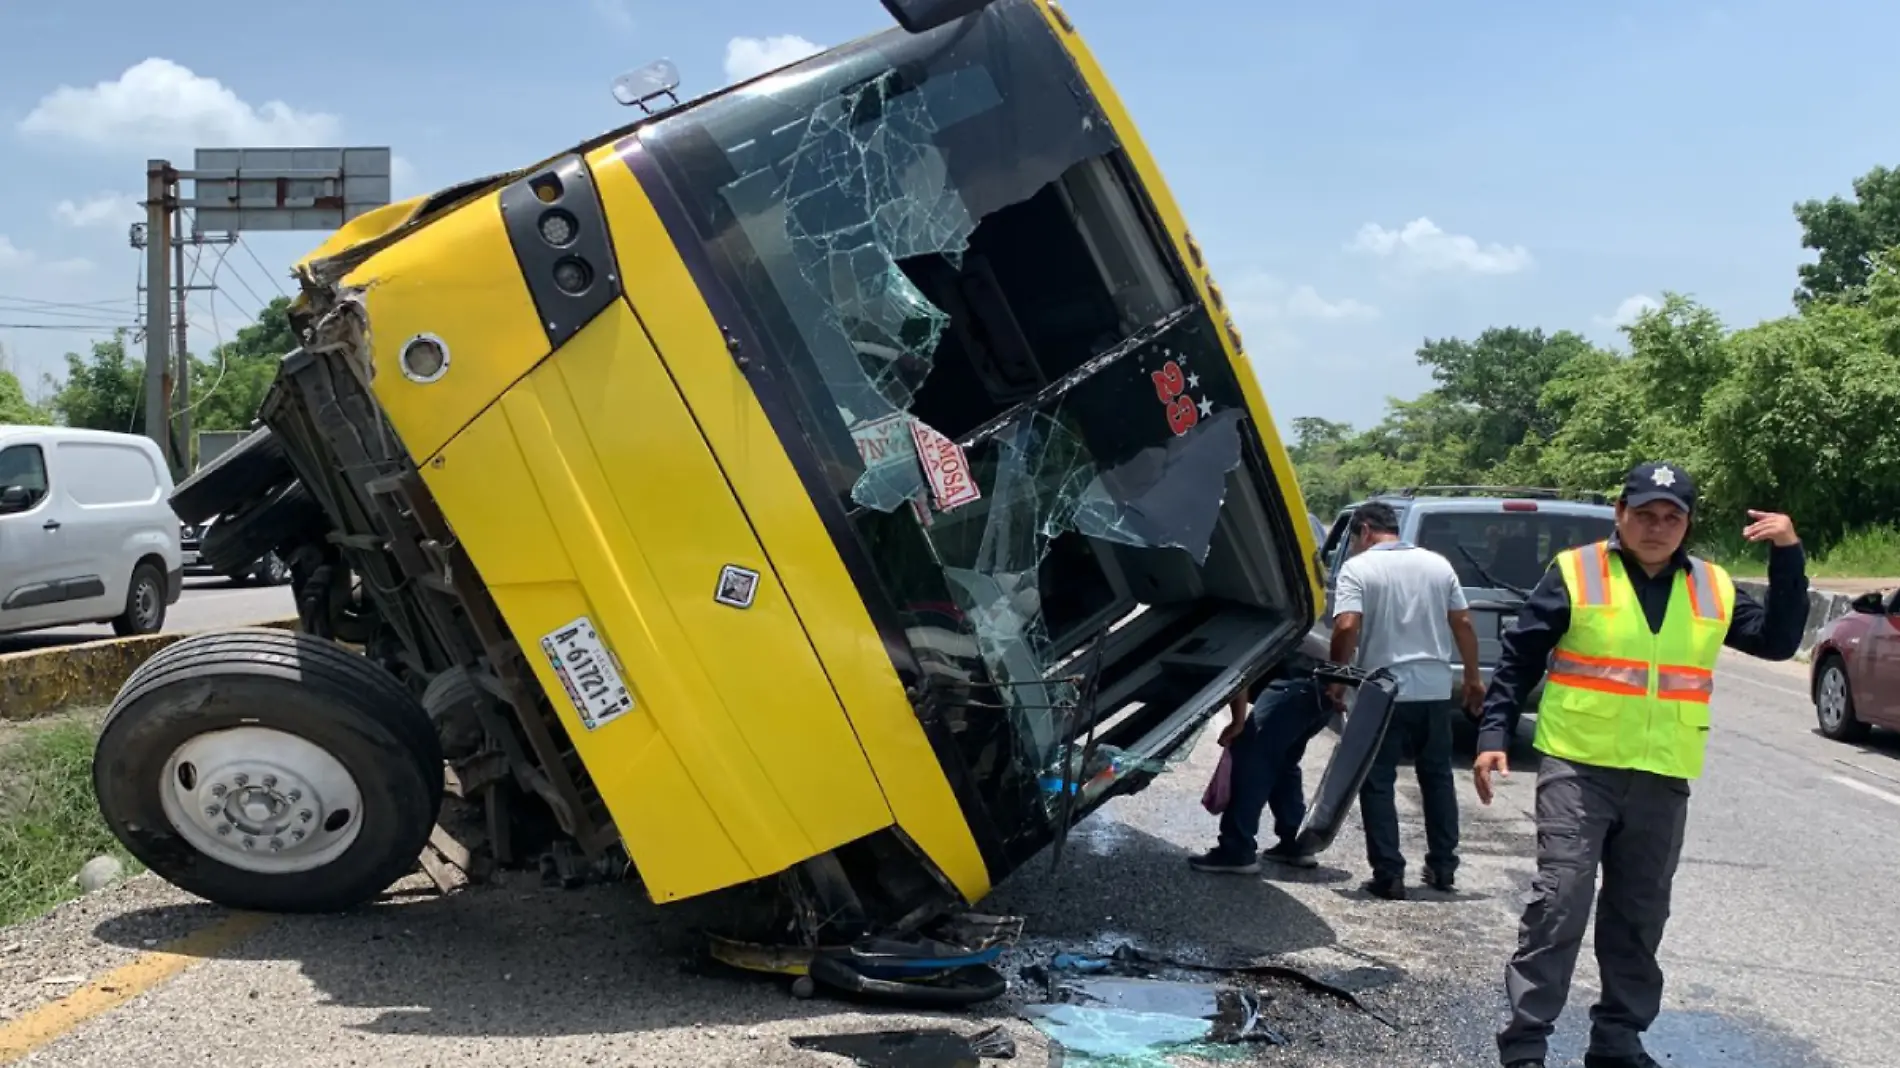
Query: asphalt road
[1784, 949]
[209, 602]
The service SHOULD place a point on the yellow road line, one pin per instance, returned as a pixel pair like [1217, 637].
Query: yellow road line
[56, 1019]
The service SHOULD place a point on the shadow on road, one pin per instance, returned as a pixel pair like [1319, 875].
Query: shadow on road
[1880, 743]
[518, 959]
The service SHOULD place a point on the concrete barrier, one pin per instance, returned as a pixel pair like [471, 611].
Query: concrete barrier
[1824, 607]
[39, 681]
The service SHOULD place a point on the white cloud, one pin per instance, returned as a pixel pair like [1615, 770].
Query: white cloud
[1260, 297]
[749, 57]
[158, 105]
[1630, 310]
[616, 13]
[15, 258]
[1420, 245]
[105, 209]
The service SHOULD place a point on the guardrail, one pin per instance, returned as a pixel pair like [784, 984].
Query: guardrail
[36, 682]
[1824, 607]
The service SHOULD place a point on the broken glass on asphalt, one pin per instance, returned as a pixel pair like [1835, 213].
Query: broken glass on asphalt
[1140, 1023]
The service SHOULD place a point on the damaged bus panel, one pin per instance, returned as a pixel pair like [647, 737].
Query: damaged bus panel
[821, 493]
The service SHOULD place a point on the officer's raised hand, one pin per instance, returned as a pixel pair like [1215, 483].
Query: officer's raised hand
[1772, 527]
[1481, 772]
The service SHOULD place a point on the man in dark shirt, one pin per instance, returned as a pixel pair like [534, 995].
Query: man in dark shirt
[1629, 724]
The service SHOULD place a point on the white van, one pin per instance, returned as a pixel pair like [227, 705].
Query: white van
[86, 533]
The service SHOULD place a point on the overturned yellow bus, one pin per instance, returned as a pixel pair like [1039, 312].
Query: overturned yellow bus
[829, 488]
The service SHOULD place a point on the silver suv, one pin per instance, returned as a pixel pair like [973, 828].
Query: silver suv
[1500, 539]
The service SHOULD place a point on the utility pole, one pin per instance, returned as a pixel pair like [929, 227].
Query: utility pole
[180, 429]
[160, 206]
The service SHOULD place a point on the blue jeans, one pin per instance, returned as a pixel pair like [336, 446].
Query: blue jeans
[1266, 766]
[1421, 730]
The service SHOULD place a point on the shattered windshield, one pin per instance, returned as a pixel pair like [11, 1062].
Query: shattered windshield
[1003, 377]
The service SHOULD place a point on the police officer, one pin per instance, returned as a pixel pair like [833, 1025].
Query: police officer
[1630, 628]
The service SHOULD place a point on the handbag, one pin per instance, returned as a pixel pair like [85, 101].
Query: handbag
[1220, 788]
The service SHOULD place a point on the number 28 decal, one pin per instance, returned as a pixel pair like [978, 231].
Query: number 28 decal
[1171, 385]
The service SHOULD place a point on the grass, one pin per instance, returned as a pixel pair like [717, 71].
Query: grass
[49, 822]
[1873, 552]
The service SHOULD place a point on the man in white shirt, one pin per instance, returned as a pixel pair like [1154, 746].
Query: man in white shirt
[1402, 608]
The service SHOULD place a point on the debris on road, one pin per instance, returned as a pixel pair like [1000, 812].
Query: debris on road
[99, 873]
[1144, 1021]
[919, 1048]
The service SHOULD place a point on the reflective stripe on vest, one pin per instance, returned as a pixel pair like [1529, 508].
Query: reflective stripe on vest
[1617, 695]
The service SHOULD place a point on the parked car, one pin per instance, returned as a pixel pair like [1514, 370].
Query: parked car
[1500, 539]
[86, 535]
[1855, 672]
[266, 570]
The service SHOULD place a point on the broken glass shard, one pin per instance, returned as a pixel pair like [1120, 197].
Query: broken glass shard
[1168, 495]
[866, 187]
[1141, 1022]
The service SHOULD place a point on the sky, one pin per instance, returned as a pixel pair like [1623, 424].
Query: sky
[1363, 175]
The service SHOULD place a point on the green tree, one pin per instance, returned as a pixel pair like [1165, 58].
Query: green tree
[1500, 377]
[229, 384]
[103, 390]
[1803, 424]
[1848, 234]
[15, 408]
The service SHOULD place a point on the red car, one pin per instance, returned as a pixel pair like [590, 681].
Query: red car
[1855, 676]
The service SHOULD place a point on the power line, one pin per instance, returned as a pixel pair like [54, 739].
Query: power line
[261, 267]
[38, 303]
[62, 326]
[84, 317]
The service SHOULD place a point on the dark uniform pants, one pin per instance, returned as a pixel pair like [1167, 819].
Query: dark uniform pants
[1631, 823]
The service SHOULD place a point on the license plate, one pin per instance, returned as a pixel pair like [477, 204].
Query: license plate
[588, 672]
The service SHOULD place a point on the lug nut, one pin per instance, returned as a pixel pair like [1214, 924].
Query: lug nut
[276, 844]
[217, 790]
[224, 828]
[296, 796]
[212, 810]
[306, 815]
[270, 782]
[250, 843]
[241, 779]
[296, 836]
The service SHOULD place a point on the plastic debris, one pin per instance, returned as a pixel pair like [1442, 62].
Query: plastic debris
[920, 1048]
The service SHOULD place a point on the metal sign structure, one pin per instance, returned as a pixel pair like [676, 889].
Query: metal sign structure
[237, 190]
[234, 191]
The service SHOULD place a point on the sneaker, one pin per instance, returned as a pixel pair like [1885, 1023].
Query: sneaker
[1605, 1060]
[1443, 882]
[1390, 889]
[1222, 864]
[1284, 853]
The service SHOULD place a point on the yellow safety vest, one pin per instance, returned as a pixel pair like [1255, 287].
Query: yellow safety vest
[1617, 696]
